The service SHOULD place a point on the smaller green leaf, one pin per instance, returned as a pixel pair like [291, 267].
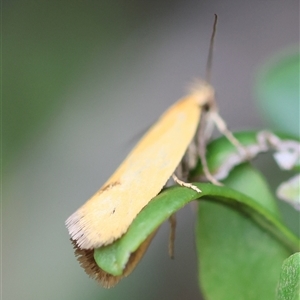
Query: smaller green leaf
[289, 282]
[220, 150]
[222, 156]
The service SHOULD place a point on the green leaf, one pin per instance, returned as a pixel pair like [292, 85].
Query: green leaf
[118, 259]
[113, 258]
[289, 283]
[277, 91]
[237, 258]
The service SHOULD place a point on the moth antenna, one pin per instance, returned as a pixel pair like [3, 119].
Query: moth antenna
[210, 52]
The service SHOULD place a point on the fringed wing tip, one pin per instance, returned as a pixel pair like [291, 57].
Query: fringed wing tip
[86, 260]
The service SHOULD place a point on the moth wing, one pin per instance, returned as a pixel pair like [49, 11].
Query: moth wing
[108, 214]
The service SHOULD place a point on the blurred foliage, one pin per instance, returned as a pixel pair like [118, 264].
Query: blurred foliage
[46, 48]
[278, 94]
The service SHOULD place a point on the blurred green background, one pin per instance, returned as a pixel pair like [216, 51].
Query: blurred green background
[81, 82]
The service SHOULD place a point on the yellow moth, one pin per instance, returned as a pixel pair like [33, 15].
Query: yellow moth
[107, 215]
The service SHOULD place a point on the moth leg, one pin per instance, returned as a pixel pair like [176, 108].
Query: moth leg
[208, 175]
[204, 133]
[185, 184]
[172, 221]
[182, 170]
[222, 127]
